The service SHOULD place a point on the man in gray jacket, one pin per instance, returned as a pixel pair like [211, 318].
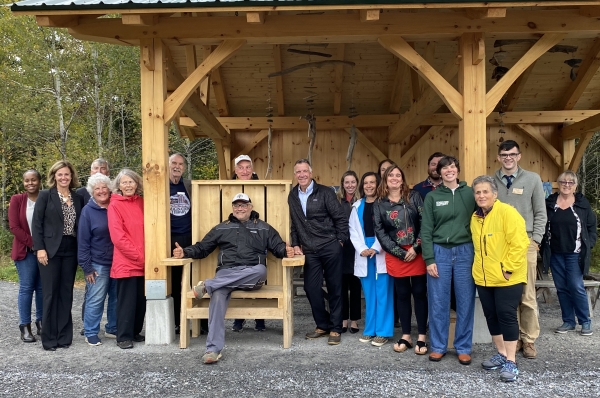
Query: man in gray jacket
[523, 190]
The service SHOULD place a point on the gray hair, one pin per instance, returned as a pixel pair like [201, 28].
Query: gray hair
[131, 174]
[486, 179]
[568, 174]
[177, 154]
[300, 161]
[96, 179]
[100, 162]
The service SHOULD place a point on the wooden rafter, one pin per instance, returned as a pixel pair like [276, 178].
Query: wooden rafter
[580, 150]
[218, 90]
[412, 150]
[484, 13]
[588, 68]
[256, 17]
[57, 21]
[221, 54]
[575, 130]
[191, 64]
[429, 57]
[369, 15]
[514, 92]
[534, 133]
[140, 19]
[398, 87]
[451, 97]
[279, 80]
[338, 80]
[530, 117]
[496, 93]
[590, 11]
[205, 85]
[261, 135]
[363, 139]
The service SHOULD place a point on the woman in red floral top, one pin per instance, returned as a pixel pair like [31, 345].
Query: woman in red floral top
[397, 216]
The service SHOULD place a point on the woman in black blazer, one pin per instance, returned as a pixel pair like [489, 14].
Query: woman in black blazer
[55, 218]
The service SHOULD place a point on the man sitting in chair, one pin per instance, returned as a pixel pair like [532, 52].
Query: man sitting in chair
[243, 240]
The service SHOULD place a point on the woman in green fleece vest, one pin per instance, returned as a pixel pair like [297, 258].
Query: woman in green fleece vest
[448, 253]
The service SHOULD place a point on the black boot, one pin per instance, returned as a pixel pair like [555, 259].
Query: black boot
[38, 325]
[26, 335]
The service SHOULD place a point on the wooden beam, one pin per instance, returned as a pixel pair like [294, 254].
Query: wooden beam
[529, 117]
[484, 13]
[195, 108]
[398, 86]
[588, 68]
[338, 80]
[175, 102]
[451, 97]
[472, 140]
[206, 83]
[478, 51]
[57, 21]
[191, 65]
[261, 135]
[421, 110]
[279, 80]
[140, 19]
[514, 92]
[568, 152]
[363, 139]
[534, 133]
[147, 54]
[184, 131]
[412, 150]
[295, 123]
[224, 158]
[429, 57]
[369, 15]
[341, 28]
[590, 11]
[580, 150]
[576, 130]
[218, 89]
[255, 17]
[536, 51]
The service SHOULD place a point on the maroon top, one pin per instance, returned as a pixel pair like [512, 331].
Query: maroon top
[17, 221]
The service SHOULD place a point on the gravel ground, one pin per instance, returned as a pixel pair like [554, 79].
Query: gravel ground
[255, 364]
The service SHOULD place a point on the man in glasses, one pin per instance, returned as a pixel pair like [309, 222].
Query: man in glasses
[523, 189]
[243, 240]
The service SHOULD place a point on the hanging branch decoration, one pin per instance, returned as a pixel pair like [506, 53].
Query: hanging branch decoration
[318, 64]
[351, 146]
[269, 173]
[312, 134]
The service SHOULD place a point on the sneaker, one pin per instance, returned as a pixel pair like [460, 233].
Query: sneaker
[495, 362]
[93, 340]
[334, 338]
[529, 351]
[199, 290]
[110, 335]
[509, 371]
[124, 345]
[564, 328]
[260, 325]
[139, 338]
[586, 328]
[238, 325]
[211, 357]
[379, 341]
[366, 339]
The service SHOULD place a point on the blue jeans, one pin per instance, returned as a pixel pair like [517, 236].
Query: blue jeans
[452, 264]
[29, 282]
[568, 279]
[94, 302]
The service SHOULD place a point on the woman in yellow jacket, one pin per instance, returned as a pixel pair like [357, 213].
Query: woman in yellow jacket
[499, 270]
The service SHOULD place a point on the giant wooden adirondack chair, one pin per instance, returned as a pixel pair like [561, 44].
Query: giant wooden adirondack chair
[211, 205]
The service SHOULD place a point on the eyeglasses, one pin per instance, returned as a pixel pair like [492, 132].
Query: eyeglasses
[127, 183]
[509, 155]
[567, 183]
[240, 205]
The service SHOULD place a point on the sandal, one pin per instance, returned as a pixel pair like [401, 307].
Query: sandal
[420, 346]
[398, 346]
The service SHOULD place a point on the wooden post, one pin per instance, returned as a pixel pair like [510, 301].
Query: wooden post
[472, 129]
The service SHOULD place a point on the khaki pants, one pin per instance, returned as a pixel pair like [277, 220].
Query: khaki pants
[527, 313]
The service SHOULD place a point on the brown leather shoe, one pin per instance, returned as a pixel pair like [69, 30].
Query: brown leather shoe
[436, 356]
[464, 359]
[529, 351]
[519, 345]
[316, 334]
[334, 338]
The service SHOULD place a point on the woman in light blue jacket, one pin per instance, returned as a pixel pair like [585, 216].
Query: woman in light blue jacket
[370, 267]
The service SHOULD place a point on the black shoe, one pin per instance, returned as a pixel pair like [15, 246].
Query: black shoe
[397, 325]
[354, 330]
[64, 345]
[238, 325]
[139, 338]
[26, 335]
[344, 329]
[82, 332]
[124, 345]
[38, 325]
[50, 348]
[260, 325]
[177, 329]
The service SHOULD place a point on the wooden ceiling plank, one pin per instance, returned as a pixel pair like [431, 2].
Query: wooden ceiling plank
[485, 13]
[590, 11]
[514, 92]
[363, 139]
[496, 93]
[412, 150]
[588, 68]
[279, 80]
[369, 15]
[450, 96]
[580, 150]
[576, 130]
[338, 80]
[261, 135]
[221, 54]
[57, 21]
[534, 133]
[140, 19]
[398, 86]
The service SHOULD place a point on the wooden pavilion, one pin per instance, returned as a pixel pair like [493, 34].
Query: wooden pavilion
[412, 77]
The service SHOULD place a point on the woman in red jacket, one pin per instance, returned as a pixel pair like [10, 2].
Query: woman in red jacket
[126, 227]
[20, 215]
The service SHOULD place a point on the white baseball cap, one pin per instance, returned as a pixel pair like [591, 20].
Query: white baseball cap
[242, 157]
[241, 197]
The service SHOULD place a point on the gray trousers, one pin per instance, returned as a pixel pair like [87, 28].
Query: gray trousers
[219, 289]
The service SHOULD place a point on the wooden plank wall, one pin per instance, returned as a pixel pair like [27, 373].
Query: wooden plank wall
[329, 156]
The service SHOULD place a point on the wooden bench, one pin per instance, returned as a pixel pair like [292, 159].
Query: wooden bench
[212, 205]
[543, 286]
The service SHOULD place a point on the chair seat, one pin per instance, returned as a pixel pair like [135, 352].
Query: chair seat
[266, 292]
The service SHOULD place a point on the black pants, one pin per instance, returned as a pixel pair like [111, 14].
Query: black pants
[351, 307]
[500, 309]
[327, 261]
[184, 240]
[417, 286]
[58, 278]
[131, 307]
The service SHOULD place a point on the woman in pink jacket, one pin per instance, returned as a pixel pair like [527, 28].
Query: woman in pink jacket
[126, 227]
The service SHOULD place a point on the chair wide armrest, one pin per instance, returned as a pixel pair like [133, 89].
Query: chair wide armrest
[295, 261]
[176, 262]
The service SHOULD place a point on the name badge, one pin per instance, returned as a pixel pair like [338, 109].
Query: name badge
[517, 191]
